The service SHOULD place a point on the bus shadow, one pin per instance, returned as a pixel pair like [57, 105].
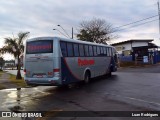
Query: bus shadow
[98, 81]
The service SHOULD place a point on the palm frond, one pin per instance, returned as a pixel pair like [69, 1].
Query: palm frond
[7, 49]
[22, 36]
[14, 46]
[11, 42]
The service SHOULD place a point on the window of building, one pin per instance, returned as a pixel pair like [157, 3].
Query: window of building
[126, 52]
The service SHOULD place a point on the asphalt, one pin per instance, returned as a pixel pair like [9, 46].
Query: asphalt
[7, 84]
[129, 89]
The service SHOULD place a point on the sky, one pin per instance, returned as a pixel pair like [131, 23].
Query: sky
[40, 17]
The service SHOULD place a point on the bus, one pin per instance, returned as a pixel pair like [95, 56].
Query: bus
[59, 61]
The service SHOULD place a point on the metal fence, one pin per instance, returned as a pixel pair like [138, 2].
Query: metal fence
[125, 58]
[151, 59]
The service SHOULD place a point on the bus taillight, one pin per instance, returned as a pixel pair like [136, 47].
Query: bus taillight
[25, 71]
[56, 70]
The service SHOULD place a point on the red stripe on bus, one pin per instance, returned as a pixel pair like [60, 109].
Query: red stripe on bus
[69, 69]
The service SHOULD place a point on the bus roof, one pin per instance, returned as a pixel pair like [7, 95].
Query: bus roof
[67, 40]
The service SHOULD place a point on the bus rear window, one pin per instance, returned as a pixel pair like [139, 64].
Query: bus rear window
[40, 46]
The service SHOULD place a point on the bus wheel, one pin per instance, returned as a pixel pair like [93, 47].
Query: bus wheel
[86, 78]
[109, 74]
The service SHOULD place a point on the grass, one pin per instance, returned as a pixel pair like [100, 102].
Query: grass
[19, 82]
[1, 72]
[127, 64]
[1, 86]
[12, 78]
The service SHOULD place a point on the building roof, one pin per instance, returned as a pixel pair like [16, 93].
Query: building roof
[150, 45]
[133, 40]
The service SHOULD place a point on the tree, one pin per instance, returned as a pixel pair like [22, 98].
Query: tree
[15, 47]
[1, 62]
[95, 30]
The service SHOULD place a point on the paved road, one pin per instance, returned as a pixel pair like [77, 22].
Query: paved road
[131, 89]
[147, 69]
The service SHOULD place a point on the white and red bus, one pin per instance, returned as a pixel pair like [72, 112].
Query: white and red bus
[59, 61]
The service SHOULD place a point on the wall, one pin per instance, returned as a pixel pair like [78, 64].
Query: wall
[129, 45]
[137, 44]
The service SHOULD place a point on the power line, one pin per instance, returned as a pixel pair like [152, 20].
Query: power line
[136, 22]
[64, 31]
[135, 26]
[61, 33]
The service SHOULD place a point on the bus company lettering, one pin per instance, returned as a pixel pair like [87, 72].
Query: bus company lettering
[85, 62]
[38, 47]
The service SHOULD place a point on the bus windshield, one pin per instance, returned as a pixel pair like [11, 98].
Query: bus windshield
[39, 46]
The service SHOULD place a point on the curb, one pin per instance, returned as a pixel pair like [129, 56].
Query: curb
[142, 66]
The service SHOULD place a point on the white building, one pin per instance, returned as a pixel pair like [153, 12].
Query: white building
[10, 63]
[126, 47]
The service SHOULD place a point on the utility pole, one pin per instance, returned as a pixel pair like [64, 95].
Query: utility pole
[159, 15]
[72, 32]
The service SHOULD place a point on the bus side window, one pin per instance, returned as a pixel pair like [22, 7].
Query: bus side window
[63, 49]
[90, 51]
[86, 50]
[95, 50]
[70, 49]
[107, 51]
[102, 52]
[104, 49]
[76, 50]
[113, 52]
[98, 51]
[110, 54]
[81, 50]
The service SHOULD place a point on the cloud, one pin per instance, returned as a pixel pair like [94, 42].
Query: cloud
[40, 17]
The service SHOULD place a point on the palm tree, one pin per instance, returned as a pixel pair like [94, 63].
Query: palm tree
[15, 47]
[1, 63]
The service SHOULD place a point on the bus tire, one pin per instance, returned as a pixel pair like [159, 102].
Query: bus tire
[110, 71]
[86, 77]
[109, 74]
